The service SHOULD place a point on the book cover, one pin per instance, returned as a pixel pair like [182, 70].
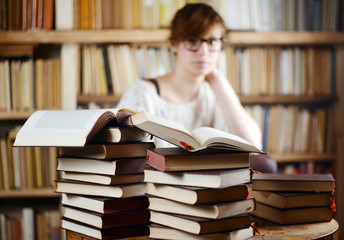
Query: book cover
[293, 182]
[197, 225]
[211, 211]
[209, 179]
[102, 179]
[107, 233]
[103, 151]
[109, 220]
[287, 200]
[106, 167]
[105, 204]
[115, 191]
[123, 133]
[293, 216]
[177, 159]
[157, 231]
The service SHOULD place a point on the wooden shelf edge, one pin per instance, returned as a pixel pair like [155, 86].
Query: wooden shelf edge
[249, 100]
[29, 193]
[5, 116]
[285, 158]
[161, 35]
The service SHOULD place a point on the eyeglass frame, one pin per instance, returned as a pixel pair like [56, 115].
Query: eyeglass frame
[201, 40]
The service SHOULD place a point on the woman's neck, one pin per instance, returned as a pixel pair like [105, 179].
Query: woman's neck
[179, 88]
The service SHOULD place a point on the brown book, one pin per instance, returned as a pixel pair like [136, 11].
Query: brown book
[211, 211]
[107, 14]
[104, 151]
[197, 225]
[293, 182]
[161, 232]
[293, 216]
[102, 179]
[177, 159]
[197, 195]
[85, 14]
[287, 200]
[109, 220]
[107, 167]
[48, 14]
[115, 191]
[207, 179]
[105, 233]
[71, 235]
[105, 204]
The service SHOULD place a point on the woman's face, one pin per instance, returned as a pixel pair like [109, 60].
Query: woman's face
[199, 61]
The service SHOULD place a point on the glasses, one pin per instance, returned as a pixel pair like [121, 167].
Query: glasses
[214, 44]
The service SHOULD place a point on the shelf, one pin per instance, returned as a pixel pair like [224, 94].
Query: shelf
[9, 116]
[85, 99]
[161, 35]
[280, 99]
[285, 158]
[32, 193]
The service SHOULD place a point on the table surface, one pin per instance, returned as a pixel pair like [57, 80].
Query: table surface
[321, 230]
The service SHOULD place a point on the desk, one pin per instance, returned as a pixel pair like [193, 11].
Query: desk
[323, 231]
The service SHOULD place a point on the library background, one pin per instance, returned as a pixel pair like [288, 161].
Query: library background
[283, 58]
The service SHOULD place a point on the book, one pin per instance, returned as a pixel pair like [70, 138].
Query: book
[126, 133]
[197, 225]
[161, 232]
[71, 235]
[198, 195]
[109, 220]
[108, 166]
[75, 128]
[177, 159]
[293, 216]
[115, 191]
[293, 182]
[67, 127]
[103, 151]
[105, 204]
[287, 200]
[102, 179]
[206, 179]
[199, 138]
[107, 233]
[211, 211]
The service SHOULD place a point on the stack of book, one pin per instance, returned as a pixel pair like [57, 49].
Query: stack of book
[198, 195]
[293, 198]
[103, 193]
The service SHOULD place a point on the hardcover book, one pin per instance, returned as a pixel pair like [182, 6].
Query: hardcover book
[198, 195]
[293, 182]
[177, 159]
[207, 179]
[197, 225]
[211, 211]
[105, 204]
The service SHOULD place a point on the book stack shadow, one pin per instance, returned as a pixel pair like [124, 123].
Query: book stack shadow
[293, 198]
[102, 188]
[198, 195]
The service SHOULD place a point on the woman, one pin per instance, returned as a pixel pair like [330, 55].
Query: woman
[194, 94]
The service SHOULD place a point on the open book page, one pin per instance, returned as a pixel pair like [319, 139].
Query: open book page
[64, 128]
[165, 129]
[211, 137]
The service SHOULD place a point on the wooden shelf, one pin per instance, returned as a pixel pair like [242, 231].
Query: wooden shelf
[285, 158]
[9, 116]
[279, 99]
[30, 193]
[161, 35]
[85, 99]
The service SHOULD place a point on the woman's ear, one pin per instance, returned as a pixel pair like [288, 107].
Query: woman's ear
[173, 48]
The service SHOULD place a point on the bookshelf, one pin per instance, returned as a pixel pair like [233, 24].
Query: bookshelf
[71, 39]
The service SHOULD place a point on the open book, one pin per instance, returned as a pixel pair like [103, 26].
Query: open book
[200, 138]
[70, 128]
[75, 128]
